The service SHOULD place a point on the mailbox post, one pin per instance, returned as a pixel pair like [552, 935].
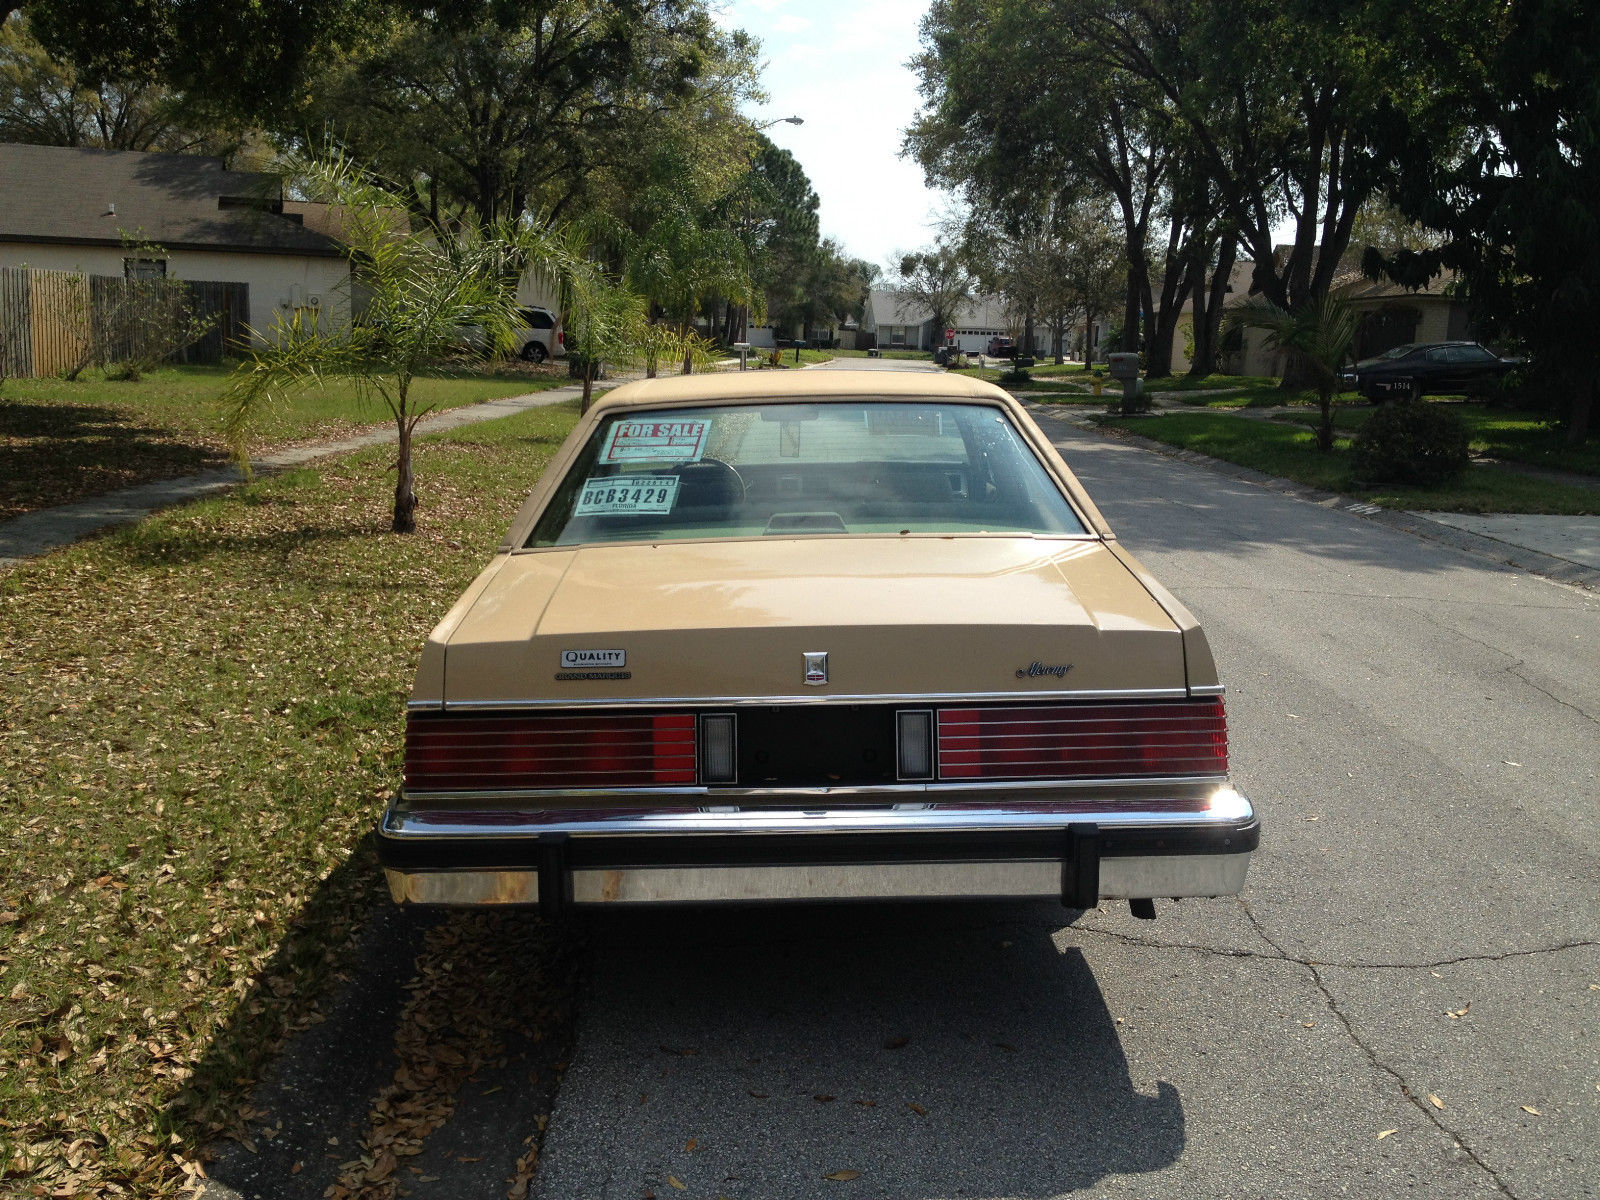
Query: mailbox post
[1125, 367]
[744, 354]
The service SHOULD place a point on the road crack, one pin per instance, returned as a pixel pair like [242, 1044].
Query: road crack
[1372, 1057]
[1280, 955]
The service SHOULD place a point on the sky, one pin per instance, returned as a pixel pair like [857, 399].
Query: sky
[841, 66]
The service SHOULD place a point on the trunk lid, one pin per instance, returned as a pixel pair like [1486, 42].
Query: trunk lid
[950, 616]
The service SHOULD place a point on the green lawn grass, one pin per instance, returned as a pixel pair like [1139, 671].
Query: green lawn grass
[1196, 383]
[1290, 451]
[786, 357]
[1511, 434]
[62, 441]
[927, 354]
[201, 716]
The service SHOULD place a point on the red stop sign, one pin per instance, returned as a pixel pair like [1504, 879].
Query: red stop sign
[948, 334]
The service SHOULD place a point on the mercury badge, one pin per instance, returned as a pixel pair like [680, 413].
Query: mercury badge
[593, 664]
[1035, 669]
[816, 667]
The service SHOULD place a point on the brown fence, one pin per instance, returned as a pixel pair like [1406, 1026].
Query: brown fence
[53, 321]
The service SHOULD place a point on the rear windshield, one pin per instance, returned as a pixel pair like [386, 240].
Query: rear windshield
[853, 467]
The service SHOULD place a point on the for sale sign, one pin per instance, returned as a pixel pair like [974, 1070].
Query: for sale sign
[655, 441]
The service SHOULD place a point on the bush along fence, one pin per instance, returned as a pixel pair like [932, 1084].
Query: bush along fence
[58, 322]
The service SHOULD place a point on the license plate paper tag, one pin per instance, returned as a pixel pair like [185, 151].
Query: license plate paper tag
[655, 441]
[630, 495]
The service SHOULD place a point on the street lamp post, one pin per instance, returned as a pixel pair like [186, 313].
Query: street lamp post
[782, 121]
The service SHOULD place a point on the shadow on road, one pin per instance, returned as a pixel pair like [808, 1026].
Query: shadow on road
[935, 1050]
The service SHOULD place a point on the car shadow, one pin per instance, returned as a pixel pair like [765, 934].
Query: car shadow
[934, 1050]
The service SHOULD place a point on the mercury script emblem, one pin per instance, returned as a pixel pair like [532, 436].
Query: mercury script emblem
[816, 667]
[1035, 669]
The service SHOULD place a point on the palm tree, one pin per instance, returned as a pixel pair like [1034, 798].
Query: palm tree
[1317, 336]
[416, 289]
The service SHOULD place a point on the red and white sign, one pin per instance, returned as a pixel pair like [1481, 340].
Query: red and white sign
[655, 441]
[949, 335]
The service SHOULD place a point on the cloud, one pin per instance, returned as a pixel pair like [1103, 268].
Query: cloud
[789, 23]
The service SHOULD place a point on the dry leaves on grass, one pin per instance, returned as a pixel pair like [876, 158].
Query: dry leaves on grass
[199, 718]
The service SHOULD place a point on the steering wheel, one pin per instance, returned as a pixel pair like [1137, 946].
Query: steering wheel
[697, 475]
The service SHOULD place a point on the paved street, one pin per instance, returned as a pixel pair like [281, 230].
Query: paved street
[1418, 728]
[1413, 968]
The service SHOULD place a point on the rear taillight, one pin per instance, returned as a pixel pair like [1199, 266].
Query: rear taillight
[450, 754]
[561, 337]
[1084, 741]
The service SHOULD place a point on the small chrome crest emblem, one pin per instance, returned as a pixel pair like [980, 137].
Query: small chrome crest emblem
[816, 668]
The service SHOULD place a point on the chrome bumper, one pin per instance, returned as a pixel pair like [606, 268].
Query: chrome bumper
[1072, 852]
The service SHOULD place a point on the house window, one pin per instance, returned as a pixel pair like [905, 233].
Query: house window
[139, 269]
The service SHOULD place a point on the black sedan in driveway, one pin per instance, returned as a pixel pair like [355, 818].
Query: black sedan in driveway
[1431, 368]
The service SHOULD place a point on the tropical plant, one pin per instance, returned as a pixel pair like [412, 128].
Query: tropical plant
[1317, 336]
[417, 291]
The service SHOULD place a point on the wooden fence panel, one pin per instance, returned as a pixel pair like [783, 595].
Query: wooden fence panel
[16, 323]
[59, 321]
[50, 319]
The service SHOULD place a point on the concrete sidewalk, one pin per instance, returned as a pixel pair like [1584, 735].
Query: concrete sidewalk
[47, 529]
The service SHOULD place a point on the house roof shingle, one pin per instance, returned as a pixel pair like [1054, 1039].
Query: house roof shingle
[178, 201]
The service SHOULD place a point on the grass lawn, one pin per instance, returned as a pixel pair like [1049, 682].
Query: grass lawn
[927, 354]
[1290, 451]
[787, 358]
[1193, 383]
[63, 441]
[1511, 434]
[1271, 398]
[200, 718]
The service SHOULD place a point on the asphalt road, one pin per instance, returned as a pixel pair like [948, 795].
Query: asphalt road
[1419, 729]
[1416, 950]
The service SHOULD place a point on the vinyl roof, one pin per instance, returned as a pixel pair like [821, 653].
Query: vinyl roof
[802, 385]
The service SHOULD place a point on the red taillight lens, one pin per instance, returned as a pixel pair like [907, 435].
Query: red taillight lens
[1083, 741]
[561, 337]
[451, 754]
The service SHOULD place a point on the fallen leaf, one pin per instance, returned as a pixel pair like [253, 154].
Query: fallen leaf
[843, 1176]
[1509, 763]
[674, 1181]
[867, 1103]
[895, 1043]
[917, 1108]
[1435, 1101]
[8, 917]
[1309, 1024]
[757, 1095]
[1383, 1133]
[297, 1168]
[692, 1144]
[1005, 1046]
[1528, 1108]
[1457, 1013]
[823, 1099]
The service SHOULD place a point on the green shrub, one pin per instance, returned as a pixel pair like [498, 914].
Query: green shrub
[1015, 375]
[1413, 443]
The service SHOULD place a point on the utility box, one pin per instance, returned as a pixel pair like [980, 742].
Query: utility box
[1123, 366]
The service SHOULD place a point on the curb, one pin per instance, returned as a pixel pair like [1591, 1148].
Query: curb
[1534, 562]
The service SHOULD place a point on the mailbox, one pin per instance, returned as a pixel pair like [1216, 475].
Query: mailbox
[1123, 366]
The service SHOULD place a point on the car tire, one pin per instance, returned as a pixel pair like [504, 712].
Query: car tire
[534, 352]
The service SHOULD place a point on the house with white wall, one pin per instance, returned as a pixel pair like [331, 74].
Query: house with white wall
[133, 215]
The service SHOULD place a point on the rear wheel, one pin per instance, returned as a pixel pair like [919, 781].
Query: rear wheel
[535, 352]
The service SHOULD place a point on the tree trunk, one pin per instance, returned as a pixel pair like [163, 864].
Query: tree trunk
[405, 493]
[1325, 430]
[588, 385]
[1577, 431]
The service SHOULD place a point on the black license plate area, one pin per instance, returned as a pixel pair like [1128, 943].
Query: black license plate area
[830, 745]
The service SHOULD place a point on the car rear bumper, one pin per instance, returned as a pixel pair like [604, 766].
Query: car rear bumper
[1073, 852]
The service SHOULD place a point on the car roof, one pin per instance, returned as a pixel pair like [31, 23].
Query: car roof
[801, 385]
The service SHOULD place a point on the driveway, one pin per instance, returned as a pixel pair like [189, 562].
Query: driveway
[1406, 1000]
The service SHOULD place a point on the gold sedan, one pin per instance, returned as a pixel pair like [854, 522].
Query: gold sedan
[816, 635]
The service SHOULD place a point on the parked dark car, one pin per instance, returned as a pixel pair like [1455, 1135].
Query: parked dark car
[1002, 347]
[1431, 368]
